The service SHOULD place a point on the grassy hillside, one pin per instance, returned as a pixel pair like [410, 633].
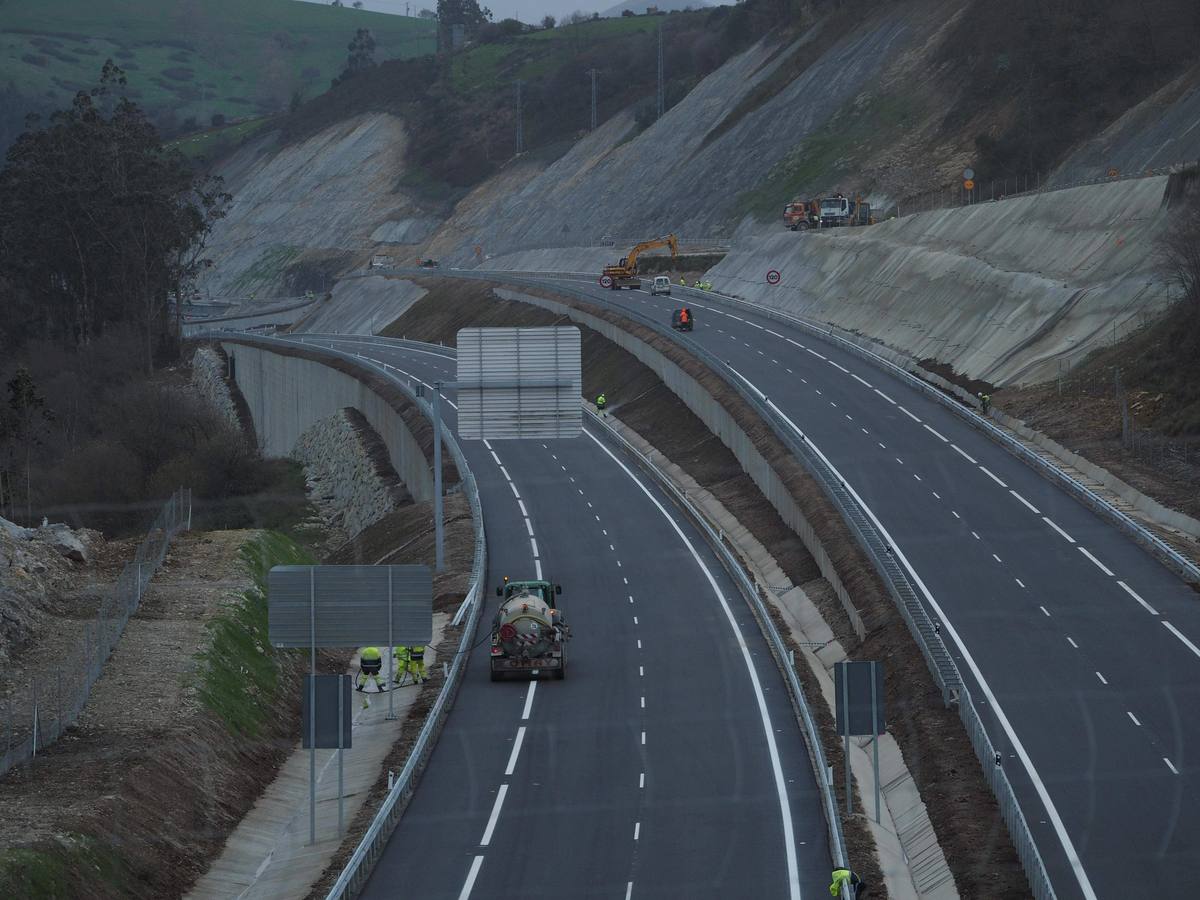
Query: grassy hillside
[187, 59]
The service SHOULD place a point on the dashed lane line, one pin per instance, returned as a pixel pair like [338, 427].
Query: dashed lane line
[494, 817]
[964, 454]
[1032, 508]
[1179, 634]
[1101, 566]
[990, 474]
[1067, 537]
[1132, 593]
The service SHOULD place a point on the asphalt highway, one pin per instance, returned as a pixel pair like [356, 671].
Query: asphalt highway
[668, 763]
[1083, 650]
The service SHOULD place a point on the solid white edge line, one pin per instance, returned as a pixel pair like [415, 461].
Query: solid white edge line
[1101, 566]
[516, 751]
[749, 383]
[1179, 634]
[529, 700]
[964, 454]
[491, 825]
[1039, 786]
[1032, 508]
[1132, 593]
[781, 790]
[476, 864]
[1059, 530]
[990, 474]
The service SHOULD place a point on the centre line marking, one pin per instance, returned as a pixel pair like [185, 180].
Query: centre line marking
[1101, 566]
[643, 738]
[1103, 680]
[637, 830]
[1020, 582]
[1175, 631]
[471, 876]
[1070, 539]
[529, 700]
[491, 825]
[988, 472]
[1072, 643]
[1169, 766]
[964, 454]
[1046, 611]
[996, 558]
[1134, 718]
[516, 751]
[1132, 593]
[1032, 508]
[642, 780]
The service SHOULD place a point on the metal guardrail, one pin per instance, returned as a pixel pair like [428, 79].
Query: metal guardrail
[925, 631]
[358, 868]
[55, 698]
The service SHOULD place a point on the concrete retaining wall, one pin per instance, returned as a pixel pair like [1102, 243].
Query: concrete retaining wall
[289, 394]
[722, 424]
[208, 378]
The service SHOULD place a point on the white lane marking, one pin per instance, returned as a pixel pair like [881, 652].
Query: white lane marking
[628, 891]
[732, 316]
[814, 353]
[996, 558]
[471, 876]
[495, 457]
[612, 548]
[1072, 643]
[491, 825]
[641, 672]
[1070, 539]
[1101, 566]
[637, 830]
[1044, 610]
[643, 739]
[630, 596]
[529, 527]
[836, 366]
[504, 472]
[643, 703]
[882, 446]
[533, 544]
[936, 494]
[1169, 766]
[1020, 582]
[488, 446]
[916, 476]
[753, 325]
[760, 353]
[964, 454]
[899, 460]
[1175, 631]
[773, 333]
[635, 621]
[864, 431]
[956, 515]
[604, 531]
[795, 343]
[514, 490]
[907, 413]
[537, 568]
[748, 382]
[1032, 508]
[1103, 680]
[642, 780]
[516, 751]
[524, 512]
[639, 643]
[529, 700]
[589, 503]
[936, 434]
[1132, 593]
[884, 396]
[626, 580]
[976, 536]
[1039, 786]
[618, 564]
[988, 472]
[781, 790]
[1134, 718]
[863, 380]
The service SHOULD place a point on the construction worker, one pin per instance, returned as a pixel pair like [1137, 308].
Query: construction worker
[370, 663]
[416, 663]
[986, 401]
[683, 317]
[682, 281]
[696, 284]
[601, 403]
[847, 884]
[400, 655]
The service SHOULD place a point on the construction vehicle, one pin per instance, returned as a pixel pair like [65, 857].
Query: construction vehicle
[840, 210]
[529, 635]
[625, 273]
[802, 214]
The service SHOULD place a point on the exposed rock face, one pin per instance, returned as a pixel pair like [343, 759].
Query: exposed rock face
[349, 473]
[208, 378]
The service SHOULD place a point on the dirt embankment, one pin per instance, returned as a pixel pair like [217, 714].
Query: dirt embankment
[936, 750]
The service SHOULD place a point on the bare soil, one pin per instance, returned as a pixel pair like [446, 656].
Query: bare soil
[935, 747]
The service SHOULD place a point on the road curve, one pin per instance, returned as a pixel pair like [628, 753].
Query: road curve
[667, 764]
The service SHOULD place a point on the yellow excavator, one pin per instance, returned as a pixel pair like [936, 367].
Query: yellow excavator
[625, 273]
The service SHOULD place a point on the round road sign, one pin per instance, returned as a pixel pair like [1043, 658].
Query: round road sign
[606, 281]
[773, 277]
[968, 174]
[968, 185]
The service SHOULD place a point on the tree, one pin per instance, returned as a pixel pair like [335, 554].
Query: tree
[467, 13]
[427, 14]
[358, 4]
[362, 55]
[23, 425]
[1181, 249]
[548, 22]
[98, 222]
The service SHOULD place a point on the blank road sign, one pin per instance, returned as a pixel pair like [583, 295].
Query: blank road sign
[349, 606]
[328, 687]
[855, 677]
[519, 383]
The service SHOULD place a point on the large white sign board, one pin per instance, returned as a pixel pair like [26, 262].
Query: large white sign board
[519, 383]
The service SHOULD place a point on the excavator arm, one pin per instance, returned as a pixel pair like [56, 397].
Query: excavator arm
[668, 241]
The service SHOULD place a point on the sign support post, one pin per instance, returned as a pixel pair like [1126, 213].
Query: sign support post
[312, 705]
[846, 719]
[391, 713]
[342, 740]
[439, 536]
[875, 737]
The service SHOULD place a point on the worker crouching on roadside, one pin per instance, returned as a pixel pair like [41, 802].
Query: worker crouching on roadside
[416, 664]
[370, 664]
[601, 404]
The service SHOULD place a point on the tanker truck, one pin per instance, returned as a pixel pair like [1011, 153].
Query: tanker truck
[529, 635]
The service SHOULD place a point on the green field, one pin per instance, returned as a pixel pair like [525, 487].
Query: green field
[191, 58]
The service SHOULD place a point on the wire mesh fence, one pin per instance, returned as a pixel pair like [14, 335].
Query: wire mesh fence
[44, 701]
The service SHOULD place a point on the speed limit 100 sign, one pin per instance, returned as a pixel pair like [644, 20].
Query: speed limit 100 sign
[773, 277]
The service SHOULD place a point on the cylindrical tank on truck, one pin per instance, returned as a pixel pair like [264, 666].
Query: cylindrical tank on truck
[529, 634]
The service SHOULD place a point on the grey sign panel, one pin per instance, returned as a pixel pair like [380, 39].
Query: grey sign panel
[349, 606]
[328, 689]
[519, 383]
[855, 677]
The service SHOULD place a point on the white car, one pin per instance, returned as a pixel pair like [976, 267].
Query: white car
[661, 285]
